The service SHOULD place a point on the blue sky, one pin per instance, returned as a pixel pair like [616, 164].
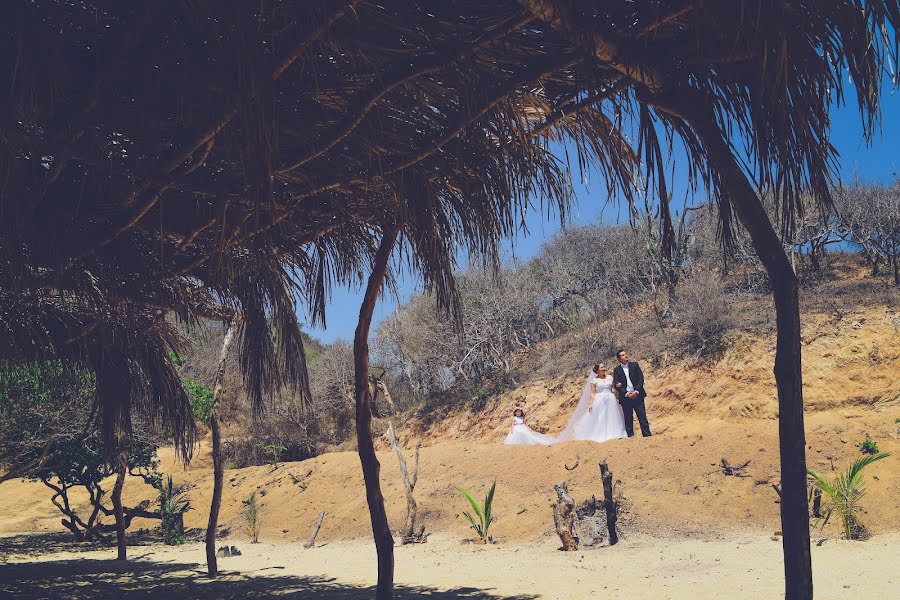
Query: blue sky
[879, 161]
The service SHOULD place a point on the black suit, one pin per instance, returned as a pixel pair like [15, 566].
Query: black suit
[631, 406]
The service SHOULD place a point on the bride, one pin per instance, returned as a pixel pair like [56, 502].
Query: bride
[598, 416]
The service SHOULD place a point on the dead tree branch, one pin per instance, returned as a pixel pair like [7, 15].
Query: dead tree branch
[409, 535]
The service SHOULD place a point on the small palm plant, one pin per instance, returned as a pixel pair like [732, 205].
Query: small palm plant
[868, 446]
[173, 503]
[251, 518]
[845, 492]
[483, 511]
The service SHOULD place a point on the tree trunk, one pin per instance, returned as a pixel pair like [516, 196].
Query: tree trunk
[814, 260]
[609, 503]
[218, 470]
[384, 543]
[117, 504]
[788, 376]
[896, 262]
[564, 517]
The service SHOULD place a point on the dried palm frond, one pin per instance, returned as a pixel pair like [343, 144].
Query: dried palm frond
[208, 157]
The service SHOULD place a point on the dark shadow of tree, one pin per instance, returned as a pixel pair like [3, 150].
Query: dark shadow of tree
[48, 543]
[142, 578]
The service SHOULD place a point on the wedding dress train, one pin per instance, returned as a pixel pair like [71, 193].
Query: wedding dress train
[522, 434]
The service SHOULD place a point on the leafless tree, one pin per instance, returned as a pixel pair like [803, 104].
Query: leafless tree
[869, 216]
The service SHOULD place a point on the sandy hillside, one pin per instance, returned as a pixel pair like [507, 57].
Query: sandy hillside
[849, 364]
[672, 482]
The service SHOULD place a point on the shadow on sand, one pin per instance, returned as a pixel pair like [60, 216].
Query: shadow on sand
[142, 578]
[51, 542]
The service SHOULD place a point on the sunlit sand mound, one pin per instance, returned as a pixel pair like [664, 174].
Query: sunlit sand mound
[672, 482]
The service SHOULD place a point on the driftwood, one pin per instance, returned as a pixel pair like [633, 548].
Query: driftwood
[299, 481]
[732, 470]
[609, 502]
[410, 535]
[228, 551]
[564, 517]
[315, 531]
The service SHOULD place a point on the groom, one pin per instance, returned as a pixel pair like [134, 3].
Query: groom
[629, 381]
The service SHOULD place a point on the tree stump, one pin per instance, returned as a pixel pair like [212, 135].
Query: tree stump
[590, 525]
[609, 502]
[564, 517]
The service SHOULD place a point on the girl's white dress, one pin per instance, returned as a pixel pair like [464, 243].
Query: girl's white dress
[522, 434]
[604, 420]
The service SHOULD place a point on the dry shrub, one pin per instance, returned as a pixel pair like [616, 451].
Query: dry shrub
[703, 313]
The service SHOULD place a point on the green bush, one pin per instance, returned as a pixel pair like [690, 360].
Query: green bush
[201, 400]
[40, 403]
[275, 451]
[176, 359]
[80, 463]
[47, 434]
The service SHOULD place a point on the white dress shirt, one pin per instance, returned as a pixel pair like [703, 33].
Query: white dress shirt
[630, 386]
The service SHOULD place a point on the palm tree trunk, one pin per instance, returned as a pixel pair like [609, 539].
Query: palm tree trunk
[218, 470]
[788, 376]
[117, 504]
[384, 542]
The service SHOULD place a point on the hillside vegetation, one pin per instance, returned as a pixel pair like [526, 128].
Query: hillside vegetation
[588, 292]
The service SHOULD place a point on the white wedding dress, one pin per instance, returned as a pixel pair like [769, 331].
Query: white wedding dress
[523, 435]
[604, 420]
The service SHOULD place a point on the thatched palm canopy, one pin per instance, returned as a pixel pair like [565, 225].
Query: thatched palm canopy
[208, 157]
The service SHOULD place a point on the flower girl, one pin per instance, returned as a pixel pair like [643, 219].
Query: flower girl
[522, 434]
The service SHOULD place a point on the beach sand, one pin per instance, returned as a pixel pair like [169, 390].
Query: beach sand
[640, 567]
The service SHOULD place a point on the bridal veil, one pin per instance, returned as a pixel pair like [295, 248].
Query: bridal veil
[581, 409]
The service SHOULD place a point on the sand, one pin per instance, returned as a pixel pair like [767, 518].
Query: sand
[640, 567]
[690, 530]
[672, 483]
